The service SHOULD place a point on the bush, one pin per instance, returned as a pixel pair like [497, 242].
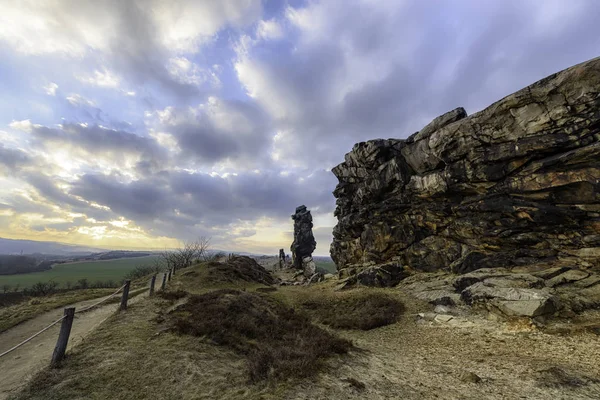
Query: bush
[172, 295]
[351, 310]
[277, 342]
[42, 288]
[103, 284]
[238, 269]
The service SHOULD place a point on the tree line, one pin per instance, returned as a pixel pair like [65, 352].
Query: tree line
[11, 264]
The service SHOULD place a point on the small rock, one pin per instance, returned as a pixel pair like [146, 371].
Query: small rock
[441, 310]
[356, 384]
[427, 316]
[470, 377]
[443, 318]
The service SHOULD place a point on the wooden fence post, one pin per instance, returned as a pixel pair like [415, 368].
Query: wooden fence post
[152, 281]
[125, 296]
[63, 337]
[169, 278]
[173, 273]
[164, 282]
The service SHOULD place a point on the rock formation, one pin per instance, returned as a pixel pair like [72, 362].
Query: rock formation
[514, 185]
[281, 259]
[304, 241]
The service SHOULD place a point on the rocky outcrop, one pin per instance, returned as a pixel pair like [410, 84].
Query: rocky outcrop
[516, 184]
[541, 290]
[304, 242]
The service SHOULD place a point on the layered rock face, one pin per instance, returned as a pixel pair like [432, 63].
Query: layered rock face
[516, 184]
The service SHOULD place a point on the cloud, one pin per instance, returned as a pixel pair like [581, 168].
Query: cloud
[218, 118]
[269, 30]
[78, 100]
[13, 159]
[135, 39]
[50, 89]
[103, 78]
[384, 69]
[216, 131]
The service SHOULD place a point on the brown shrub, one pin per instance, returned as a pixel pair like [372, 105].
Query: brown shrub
[351, 310]
[238, 268]
[277, 342]
[172, 295]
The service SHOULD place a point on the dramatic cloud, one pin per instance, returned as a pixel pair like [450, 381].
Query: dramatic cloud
[140, 123]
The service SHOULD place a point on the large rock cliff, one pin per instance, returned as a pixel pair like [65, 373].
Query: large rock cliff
[515, 184]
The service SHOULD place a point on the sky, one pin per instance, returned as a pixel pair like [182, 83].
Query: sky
[140, 124]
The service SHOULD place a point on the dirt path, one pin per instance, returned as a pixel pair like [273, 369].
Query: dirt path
[19, 366]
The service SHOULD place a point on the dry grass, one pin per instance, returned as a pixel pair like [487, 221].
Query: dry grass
[172, 295]
[237, 268]
[352, 309]
[131, 357]
[21, 312]
[128, 357]
[277, 342]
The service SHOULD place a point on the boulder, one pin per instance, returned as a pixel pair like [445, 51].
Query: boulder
[515, 184]
[512, 301]
[309, 267]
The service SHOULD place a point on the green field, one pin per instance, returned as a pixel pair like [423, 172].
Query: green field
[93, 271]
[327, 266]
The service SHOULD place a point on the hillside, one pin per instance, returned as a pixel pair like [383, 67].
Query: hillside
[13, 246]
[234, 338]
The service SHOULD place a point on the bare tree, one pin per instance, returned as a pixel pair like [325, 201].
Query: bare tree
[185, 255]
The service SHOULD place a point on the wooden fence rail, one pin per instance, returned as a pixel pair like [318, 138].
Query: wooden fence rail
[67, 320]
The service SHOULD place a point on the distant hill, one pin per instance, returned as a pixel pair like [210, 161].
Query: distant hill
[12, 246]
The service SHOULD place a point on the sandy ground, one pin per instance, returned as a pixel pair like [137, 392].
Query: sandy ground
[19, 366]
[418, 358]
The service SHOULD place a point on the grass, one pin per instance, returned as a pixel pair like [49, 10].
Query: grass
[277, 342]
[31, 307]
[172, 295]
[226, 341]
[327, 267]
[353, 310]
[21, 312]
[236, 269]
[93, 271]
[130, 356]
[358, 308]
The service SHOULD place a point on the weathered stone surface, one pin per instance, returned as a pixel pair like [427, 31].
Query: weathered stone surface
[513, 185]
[572, 275]
[521, 292]
[309, 267]
[304, 242]
[512, 301]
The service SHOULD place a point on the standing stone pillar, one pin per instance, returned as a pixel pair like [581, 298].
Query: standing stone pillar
[281, 258]
[304, 242]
